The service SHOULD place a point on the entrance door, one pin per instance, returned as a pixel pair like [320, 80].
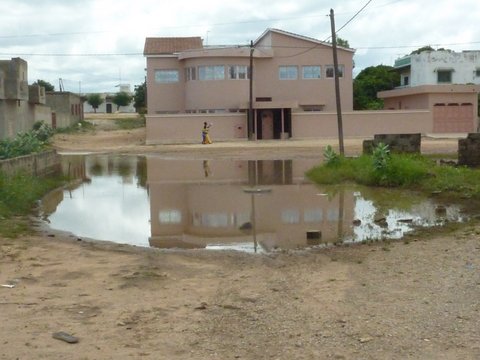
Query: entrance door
[453, 118]
[267, 124]
[109, 108]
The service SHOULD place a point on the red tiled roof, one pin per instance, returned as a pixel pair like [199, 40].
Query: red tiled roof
[170, 45]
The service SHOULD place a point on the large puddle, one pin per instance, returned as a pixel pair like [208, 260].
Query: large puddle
[253, 206]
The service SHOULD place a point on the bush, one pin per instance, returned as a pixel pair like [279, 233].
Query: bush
[379, 169]
[400, 170]
[26, 143]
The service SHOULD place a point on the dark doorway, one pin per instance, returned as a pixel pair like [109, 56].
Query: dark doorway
[269, 124]
[109, 108]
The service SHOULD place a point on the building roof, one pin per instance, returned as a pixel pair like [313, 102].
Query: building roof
[302, 37]
[171, 45]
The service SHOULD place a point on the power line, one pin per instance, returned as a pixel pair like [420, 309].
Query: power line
[191, 26]
[305, 48]
[354, 16]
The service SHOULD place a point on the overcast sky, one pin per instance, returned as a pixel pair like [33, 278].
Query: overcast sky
[94, 45]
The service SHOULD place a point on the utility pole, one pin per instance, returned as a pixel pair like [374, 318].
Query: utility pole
[250, 124]
[337, 85]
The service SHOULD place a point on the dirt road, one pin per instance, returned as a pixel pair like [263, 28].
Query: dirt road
[415, 299]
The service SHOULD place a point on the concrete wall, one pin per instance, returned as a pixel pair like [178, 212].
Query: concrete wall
[186, 128]
[360, 123]
[35, 164]
[19, 116]
[469, 150]
[68, 108]
[20, 105]
[399, 143]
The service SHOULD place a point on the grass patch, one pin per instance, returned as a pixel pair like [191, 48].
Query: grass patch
[81, 126]
[130, 123]
[18, 197]
[414, 172]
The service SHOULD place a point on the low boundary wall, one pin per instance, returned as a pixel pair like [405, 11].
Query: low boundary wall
[469, 150]
[399, 143]
[38, 164]
[186, 128]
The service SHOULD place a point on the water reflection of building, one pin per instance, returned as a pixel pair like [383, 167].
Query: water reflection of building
[84, 167]
[190, 209]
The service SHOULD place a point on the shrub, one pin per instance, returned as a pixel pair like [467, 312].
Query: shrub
[26, 143]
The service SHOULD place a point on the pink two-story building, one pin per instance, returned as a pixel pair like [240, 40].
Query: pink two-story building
[189, 84]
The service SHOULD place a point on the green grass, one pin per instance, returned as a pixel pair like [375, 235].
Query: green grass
[413, 172]
[18, 197]
[130, 123]
[81, 126]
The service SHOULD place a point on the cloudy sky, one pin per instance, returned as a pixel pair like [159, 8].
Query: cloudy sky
[94, 45]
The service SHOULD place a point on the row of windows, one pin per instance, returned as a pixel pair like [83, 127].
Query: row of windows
[204, 72]
[288, 216]
[241, 72]
[443, 77]
[290, 72]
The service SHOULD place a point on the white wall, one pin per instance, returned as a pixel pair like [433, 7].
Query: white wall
[465, 64]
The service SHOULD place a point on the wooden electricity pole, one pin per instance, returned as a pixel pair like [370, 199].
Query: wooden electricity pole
[250, 125]
[337, 85]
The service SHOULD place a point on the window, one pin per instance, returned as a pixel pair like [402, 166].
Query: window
[166, 76]
[215, 72]
[405, 80]
[313, 215]
[190, 73]
[444, 76]
[238, 72]
[291, 216]
[311, 72]
[312, 107]
[170, 217]
[330, 71]
[477, 73]
[289, 72]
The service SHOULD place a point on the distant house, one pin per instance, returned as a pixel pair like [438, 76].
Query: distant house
[439, 68]
[67, 108]
[189, 83]
[21, 105]
[108, 107]
[445, 82]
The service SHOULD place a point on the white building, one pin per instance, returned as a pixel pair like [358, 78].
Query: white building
[108, 107]
[439, 67]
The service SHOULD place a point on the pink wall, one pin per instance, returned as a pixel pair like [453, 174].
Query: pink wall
[165, 97]
[186, 128]
[292, 51]
[361, 123]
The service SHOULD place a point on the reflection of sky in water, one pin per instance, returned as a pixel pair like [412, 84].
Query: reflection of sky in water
[105, 209]
[209, 213]
[397, 222]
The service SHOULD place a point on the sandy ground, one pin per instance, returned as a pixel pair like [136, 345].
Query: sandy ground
[415, 299]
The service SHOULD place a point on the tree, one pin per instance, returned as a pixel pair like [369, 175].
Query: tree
[94, 100]
[122, 99]
[139, 97]
[343, 43]
[422, 49]
[370, 81]
[45, 84]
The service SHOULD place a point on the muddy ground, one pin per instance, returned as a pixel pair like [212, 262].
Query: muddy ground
[415, 299]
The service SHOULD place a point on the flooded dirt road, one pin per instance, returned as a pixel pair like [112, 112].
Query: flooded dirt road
[415, 299]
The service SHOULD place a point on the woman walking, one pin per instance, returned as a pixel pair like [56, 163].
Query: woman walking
[205, 136]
